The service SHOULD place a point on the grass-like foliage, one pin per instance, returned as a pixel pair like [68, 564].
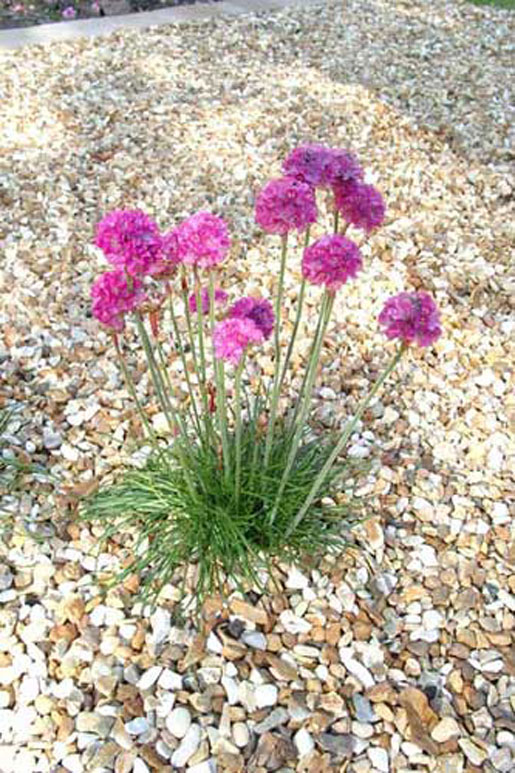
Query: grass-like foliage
[175, 523]
[240, 481]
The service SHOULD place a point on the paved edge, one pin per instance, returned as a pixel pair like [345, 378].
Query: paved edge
[43, 34]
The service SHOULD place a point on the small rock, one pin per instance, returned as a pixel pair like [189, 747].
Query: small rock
[446, 729]
[266, 695]
[475, 754]
[170, 680]
[89, 722]
[303, 742]
[188, 747]
[293, 624]
[379, 758]
[276, 718]
[363, 709]
[355, 668]
[240, 734]
[137, 726]
[178, 722]
[296, 580]
[254, 639]
[339, 745]
[149, 677]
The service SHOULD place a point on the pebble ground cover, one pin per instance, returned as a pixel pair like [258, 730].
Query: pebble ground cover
[396, 657]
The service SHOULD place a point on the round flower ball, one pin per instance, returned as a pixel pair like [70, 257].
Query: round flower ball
[361, 205]
[331, 261]
[113, 297]
[284, 205]
[259, 310]
[411, 317]
[232, 336]
[321, 166]
[220, 298]
[202, 240]
[130, 239]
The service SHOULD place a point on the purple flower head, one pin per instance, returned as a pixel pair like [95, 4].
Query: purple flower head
[411, 317]
[361, 205]
[286, 204]
[130, 240]
[69, 12]
[203, 240]
[233, 335]
[321, 166]
[220, 298]
[259, 310]
[113, 298]
[170, 256]
[331, 261]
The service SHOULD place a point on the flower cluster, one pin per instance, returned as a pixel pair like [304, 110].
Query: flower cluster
[331, 261]
[130, 240]
[285, 205]
[412, 317]
[361, 205]
[232, 337]
[113, 295]
[202, 240]
[322, 167]
[258, 310]
[220, 297]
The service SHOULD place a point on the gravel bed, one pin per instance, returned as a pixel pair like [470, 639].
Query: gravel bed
[397, 656]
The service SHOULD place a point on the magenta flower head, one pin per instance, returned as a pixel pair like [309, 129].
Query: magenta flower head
[130, 240]
[220, 298]
[361, 205]
[69, 12]
[259, 310]
[284, 205]
[113, 298]
[203, 240]
[411, 317]
[233, 335]
[331, 261]
[321, 166]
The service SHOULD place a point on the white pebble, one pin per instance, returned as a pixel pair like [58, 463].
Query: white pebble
[266, 695]
[303, 742]
[178, 722]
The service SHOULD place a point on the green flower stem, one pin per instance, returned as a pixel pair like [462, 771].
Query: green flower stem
[202, 356]
[180, 347]
[132, 389]
[298, 316]
[237, 413]
[218, 366]
[325, 313]
[156, 375]
[322, 475]
[277, 341]
[336, 220]
[187, 314]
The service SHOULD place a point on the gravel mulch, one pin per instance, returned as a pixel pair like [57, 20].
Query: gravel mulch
[395, 657]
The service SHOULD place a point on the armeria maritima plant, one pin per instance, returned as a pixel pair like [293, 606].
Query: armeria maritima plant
[237, 480]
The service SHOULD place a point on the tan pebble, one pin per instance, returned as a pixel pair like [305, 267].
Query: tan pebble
[446, 729]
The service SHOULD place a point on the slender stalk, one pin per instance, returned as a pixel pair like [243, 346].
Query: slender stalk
[298, 316]
[336, 220]
[237, 411]
[222, 415]
[132, 389]
[202, 356]
[277, 340]
[325, 313]
[182, 354]
[156, 375]
[187, 314]
[322, 475]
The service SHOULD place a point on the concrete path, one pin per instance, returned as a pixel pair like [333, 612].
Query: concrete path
[68, 30]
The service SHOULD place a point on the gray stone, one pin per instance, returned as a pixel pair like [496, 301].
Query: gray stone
[339, 745]
[276, 718]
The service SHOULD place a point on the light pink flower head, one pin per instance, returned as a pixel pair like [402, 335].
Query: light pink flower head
[321, 166]
[113, 298]
[69, 12]
[203, 240]
[331, 261]
[130, 239]
[361, 205]
[259, 310]
[220, 298]
[284, 205]
[170, 256]
[411, 317]
[233, 335]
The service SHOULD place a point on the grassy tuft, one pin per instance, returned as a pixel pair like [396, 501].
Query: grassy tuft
[176, 523]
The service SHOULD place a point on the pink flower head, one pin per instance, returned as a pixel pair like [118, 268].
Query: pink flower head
[361, 205]
[203, 240]
[112, 298]
[220, 298]
[170, 256]
[331, 261]
[233, 335]
[411, 317]
[259, 310]
[130, 240]
[286, 204]
[320, 166]
[69, 12]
